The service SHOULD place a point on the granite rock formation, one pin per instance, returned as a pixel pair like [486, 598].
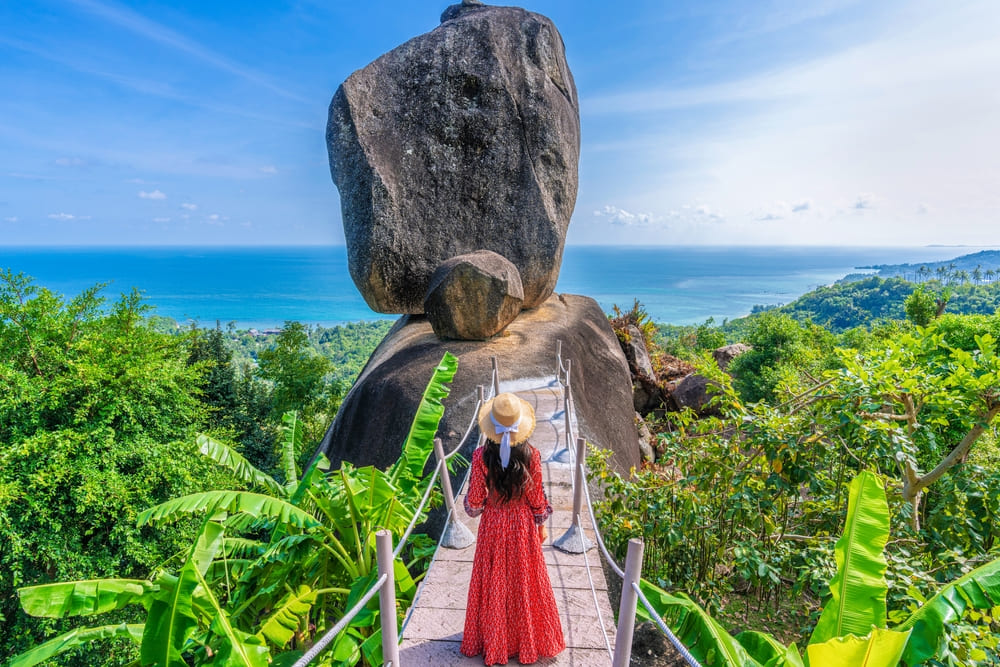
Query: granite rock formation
[465, 138]
[473, 296]
[375, 416]
[725, 354]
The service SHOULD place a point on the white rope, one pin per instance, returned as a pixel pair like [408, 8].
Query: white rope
[597, 605]
[597, 531]
[468, 431]
[663, 626]
[416, 515]
[311, 654]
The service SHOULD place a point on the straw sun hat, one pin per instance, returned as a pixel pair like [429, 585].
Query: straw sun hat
[507, 417]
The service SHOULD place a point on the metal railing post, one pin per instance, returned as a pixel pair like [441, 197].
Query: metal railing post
[558, 359]
[562, 454]
[481, 398]
[573, 541]
[626, 611]
[456, 535]
[496, 376]
[387, 598]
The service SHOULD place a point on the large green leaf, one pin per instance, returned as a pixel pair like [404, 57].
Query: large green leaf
[172, 618]
[291, 428]
[286, 618]
[703, 636]
[419, 442]
[229, 458]
[239, 648]
[879, 648]
[72, 639]
[211, 502]
[979, 589]
[762, 647]
[82, 598]
[858, 589]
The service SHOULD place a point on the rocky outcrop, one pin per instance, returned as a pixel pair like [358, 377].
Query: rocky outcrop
[473, 296]
[727, 353]
[695, 391]
[462, 139]
[375, 416]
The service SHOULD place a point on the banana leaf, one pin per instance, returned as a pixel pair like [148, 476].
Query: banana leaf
[704, 637]
[419, 443]
[72, 639]
[859, 588]
[285, 620]
[761, 647]
[879, 648]
[291, 428]
[83, 598]
[790, 658]
[211, 502]
[239, 648]
[172, 618]
[230, 459]
[979, 589]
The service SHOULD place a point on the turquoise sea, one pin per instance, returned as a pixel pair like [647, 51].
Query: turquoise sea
[263, 287]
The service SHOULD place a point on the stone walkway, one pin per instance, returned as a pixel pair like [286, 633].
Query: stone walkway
[433, 631]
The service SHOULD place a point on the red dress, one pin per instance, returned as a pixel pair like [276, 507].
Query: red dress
[511, 609]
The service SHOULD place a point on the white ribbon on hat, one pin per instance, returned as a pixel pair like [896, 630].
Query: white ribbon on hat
[504, 432]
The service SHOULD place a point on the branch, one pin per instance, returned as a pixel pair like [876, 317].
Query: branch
[993, 409]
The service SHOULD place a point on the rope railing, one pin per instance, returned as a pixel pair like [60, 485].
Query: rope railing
[574, 541]
[385, 585]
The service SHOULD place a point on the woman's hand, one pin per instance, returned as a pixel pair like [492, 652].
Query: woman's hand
[543, 533]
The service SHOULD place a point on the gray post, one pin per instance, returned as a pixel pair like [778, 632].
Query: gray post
[387, 598]
[456, 535]
[558, 359]
[626, 611]
[496, 376]
[573, 541]
[481, 397]
[562, 454]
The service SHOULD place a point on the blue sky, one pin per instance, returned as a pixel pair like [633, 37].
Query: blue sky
[707, 122]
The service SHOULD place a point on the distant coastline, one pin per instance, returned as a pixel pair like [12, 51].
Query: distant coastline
[262, 287]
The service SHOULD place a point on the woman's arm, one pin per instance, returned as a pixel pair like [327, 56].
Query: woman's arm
[537, 500]
[475, 499]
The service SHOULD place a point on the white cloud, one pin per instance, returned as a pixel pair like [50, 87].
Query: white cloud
[155, 194]
[864, 201]
[136, 181]
[213, 217]
[190, 207]
[767, 217]
[62, 216]
[617, 216]
[12, 218]
[161, 219]
[269, 169]
[898, 109]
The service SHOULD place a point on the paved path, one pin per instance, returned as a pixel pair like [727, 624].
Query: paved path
[433, 631]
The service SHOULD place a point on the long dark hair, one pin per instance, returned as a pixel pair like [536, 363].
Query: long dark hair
[511, 483]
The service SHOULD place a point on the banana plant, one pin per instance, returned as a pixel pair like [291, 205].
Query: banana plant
[270, 566]
[852, 626]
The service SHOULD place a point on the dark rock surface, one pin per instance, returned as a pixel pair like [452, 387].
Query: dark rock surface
[473, 296]
[727, 353]
[376, 414]
[464, 138]
[693, 392]
[636, 352]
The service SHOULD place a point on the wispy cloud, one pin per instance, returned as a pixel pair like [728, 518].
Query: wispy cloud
[140, 25]
[155, 194]
[161, 219]
[12, 218]
[865, 201]
[618, 216]
[67, 216]
[189, 206]
[70, 162]
[269, 169]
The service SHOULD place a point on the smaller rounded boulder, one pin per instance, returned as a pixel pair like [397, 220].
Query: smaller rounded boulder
[473, 296]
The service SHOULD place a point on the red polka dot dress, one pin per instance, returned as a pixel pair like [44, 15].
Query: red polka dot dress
[511, 610]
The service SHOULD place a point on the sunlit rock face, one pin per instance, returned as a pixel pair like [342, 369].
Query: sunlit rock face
[465, 138]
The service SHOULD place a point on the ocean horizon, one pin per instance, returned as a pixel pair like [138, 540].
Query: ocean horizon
[263, 287]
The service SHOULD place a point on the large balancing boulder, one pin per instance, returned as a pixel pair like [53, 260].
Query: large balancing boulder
[465, 138]
[473, 296]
